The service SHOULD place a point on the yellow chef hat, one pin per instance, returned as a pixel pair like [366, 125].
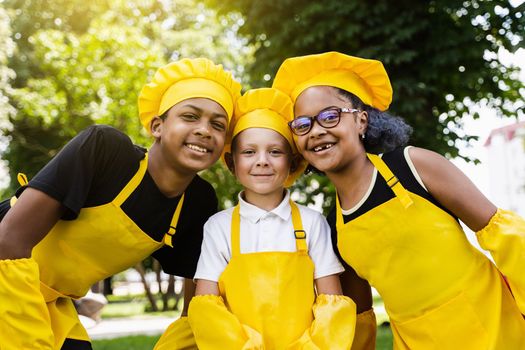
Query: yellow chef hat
[365, 78]
[266, 108]
[184, 79]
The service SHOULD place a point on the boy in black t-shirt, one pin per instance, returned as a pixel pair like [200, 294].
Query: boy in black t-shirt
[103, 204]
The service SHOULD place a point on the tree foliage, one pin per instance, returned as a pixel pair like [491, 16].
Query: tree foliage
[84, 62]
[441, 56]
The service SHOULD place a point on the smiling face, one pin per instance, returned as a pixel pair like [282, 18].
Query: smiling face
[261, 163]
[329, 149]
[191, 137]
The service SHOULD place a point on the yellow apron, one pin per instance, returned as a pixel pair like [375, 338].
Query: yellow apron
[75, 254]
[439, 291]
[263, 289]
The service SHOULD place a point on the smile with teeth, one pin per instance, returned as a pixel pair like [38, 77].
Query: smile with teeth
[323, 147]
[197, 148]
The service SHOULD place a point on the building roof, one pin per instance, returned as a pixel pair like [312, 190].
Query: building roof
[508, 132]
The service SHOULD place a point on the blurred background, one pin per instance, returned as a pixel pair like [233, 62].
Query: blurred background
[457, 69]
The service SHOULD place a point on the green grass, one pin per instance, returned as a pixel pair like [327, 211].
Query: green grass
[139, 342]
[133, 306]
[384, 338]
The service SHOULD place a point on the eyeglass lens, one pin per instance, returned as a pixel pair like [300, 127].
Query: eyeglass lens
[327, 118]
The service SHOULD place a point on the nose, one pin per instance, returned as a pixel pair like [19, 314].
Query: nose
[203, 129]
[262, 159]
[316, 130]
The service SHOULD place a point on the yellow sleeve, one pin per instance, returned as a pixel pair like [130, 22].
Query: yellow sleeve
[504, 238]
[178, 336]
[25, 322]
[365, 331]
[215, 327]
[333, 326]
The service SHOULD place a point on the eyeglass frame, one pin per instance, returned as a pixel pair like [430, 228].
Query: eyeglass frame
[315, 118]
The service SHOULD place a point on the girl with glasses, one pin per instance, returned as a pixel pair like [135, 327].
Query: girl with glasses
[396, 220]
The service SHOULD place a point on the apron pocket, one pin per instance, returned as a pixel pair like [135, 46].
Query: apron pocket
[452, 325]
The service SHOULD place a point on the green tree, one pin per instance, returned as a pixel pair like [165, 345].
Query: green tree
[85, 64]
[441, 56]
[6, 76]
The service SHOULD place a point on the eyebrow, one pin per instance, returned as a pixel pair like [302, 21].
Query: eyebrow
[201, 111]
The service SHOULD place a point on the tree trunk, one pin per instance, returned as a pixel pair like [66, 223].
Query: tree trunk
[142, 272]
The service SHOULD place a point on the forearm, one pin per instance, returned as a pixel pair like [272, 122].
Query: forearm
[504, 238]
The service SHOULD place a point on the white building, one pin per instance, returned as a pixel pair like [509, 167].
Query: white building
[506, 164]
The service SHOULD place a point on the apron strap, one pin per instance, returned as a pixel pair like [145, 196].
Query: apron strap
[168, 237]
[391, 180]
[236, 231]
[300, 234]
[133, 183]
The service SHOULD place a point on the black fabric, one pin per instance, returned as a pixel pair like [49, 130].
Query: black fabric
[74, 344]
[382, 193]
[94, 167]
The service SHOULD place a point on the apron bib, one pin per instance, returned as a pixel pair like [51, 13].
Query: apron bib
[439, 291]
[272, 292]
[75, 254]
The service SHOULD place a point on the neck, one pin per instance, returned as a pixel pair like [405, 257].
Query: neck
[265, 201]
[353, 182]
[170, 181]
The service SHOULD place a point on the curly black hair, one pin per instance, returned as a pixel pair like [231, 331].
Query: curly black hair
[385, 132]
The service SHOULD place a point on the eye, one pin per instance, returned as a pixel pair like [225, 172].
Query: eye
[301, 124]
[276, 152]
[189, 116]
[247, 151]
[328, 116]
[218, 125]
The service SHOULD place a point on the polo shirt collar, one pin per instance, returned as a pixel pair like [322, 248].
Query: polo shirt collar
[254, 213]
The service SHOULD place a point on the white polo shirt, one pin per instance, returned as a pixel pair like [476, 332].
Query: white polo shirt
[265, 231]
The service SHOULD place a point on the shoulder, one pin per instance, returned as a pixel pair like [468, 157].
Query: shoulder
[220, 218]
[309, 212]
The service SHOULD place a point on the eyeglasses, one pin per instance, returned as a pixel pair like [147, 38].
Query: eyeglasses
[328, 118]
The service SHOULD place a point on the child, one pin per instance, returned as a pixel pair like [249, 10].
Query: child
[396, 217]
[103, 204]
[255, 277]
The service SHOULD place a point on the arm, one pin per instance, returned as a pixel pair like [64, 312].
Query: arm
[333, 326]
[214, 326]
[27, 320]
[453, 189]
[498, 231]
[361, 293]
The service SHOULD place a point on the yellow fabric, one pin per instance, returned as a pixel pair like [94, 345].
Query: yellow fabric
[215, 327]
[168, 237]
[365, 331]
[439, 291]
[365, 78]
[184, 79]
[24, 319]
[504, 237]
[178, 336]
[333, 326]
[101, 242]
[270, 109]
[264, 289]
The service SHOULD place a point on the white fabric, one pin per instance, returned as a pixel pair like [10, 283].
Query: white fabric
[265, 231]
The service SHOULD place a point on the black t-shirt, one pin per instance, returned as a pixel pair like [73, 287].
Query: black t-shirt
[382, 193]
[92, 169]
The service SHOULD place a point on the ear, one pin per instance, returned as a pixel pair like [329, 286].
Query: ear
[228, 158]
[362, 122]
[156, 127]
[295, 161]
